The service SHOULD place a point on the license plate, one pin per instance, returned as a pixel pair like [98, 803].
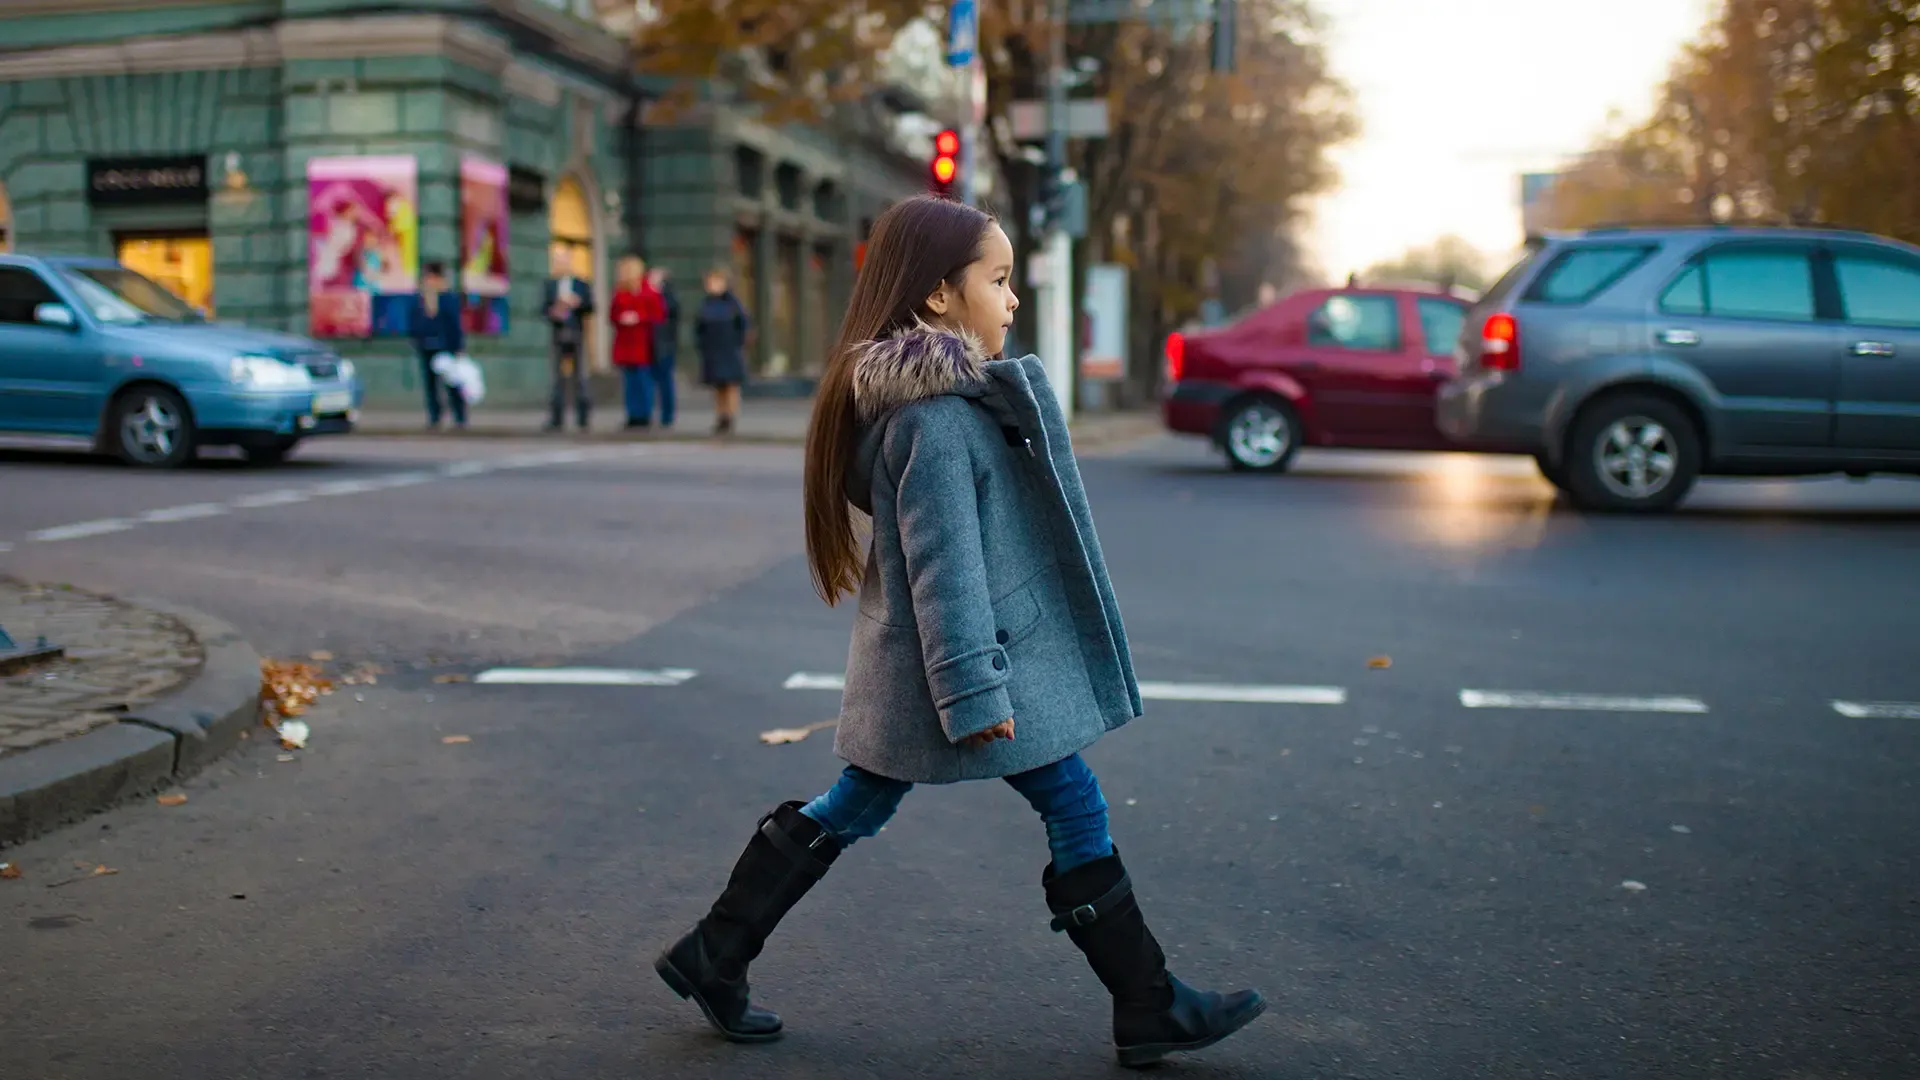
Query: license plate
[338, 401]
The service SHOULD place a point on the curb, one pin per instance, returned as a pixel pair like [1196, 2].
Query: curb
[1096, 436]
[162, 742]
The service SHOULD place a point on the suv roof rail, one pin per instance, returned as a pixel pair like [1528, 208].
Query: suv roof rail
[1717, 226]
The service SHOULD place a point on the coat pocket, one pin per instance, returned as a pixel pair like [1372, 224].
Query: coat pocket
[1016, 614]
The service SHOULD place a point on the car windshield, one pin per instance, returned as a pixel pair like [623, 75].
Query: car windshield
[114, 294]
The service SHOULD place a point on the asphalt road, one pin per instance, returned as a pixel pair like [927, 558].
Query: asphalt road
[1653, 847]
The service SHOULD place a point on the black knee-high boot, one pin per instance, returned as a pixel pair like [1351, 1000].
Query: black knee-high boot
[1154, 1014]
[788, 853]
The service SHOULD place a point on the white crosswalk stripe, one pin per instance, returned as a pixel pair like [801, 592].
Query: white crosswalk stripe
[584, 677]
[1878, 710]
[1527, 699]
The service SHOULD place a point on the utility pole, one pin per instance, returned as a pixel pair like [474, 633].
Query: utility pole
[1055, 322]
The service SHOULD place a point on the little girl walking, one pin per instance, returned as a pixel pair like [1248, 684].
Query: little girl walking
[984, 606]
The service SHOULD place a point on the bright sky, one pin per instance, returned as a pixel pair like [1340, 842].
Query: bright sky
[1458, 97]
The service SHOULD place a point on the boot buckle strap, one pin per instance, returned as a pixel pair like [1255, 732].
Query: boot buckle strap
[1087, 914]
[802, 856]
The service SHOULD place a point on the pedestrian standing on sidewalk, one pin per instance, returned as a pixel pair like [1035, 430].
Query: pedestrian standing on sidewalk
[984, 602]
[666, 343]
[568, 303]
[636, 312]
[434, 324]
[720, 333]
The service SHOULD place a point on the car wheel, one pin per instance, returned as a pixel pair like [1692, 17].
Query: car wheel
[269, 453]
[1261, 435]
[1632, 454]
[152, 427]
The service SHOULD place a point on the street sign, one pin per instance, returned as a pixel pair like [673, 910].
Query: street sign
[1105, 303]
[963, 32]
[1086, 119]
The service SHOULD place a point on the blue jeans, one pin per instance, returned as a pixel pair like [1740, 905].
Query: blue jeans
[1066, 794]
[639, 384]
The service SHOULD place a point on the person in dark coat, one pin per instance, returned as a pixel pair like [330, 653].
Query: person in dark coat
[720, 333]
[567, 303]
[984, 602]
[433, 322]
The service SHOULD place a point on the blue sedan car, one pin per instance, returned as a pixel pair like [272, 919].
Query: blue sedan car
[93, 349]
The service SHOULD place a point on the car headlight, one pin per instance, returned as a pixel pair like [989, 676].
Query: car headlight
[268, 373]
[347, 371]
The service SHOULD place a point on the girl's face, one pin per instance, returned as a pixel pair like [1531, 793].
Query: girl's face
[984, 303]
[632, 271]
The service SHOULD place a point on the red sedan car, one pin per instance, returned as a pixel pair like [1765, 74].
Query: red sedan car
[1325, 367]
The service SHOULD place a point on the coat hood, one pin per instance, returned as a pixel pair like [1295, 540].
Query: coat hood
[918, 362]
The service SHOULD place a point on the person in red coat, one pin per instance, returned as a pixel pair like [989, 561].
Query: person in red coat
[636, 311]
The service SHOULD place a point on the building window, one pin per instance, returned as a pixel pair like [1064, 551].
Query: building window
[787, 179]
[746, 283]
[181, 262]
[825, 326]
[749, 171]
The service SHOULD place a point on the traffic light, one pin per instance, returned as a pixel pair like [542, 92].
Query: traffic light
[946, 162]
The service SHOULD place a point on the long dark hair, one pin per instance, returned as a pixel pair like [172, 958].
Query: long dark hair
[914, 246]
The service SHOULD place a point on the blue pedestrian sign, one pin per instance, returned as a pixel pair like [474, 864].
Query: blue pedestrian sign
[963, 32]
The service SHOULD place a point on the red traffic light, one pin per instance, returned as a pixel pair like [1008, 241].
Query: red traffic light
[947, 143]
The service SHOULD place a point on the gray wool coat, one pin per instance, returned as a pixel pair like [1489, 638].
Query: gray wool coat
[985, 595]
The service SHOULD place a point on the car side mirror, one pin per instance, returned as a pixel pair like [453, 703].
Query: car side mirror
[59, 315]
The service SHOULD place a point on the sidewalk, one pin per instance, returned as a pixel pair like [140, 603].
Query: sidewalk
[762, 420]
[140, 694]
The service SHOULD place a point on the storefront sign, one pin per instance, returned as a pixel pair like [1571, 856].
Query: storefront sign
[144, 181]
[526, 190]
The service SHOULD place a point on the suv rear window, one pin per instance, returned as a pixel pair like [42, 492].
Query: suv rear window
[1582, 273]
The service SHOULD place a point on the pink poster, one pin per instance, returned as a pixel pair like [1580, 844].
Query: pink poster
[483, 245]
[363, 245]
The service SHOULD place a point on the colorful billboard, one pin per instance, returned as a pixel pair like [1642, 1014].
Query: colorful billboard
[363, 245]
[483, 245]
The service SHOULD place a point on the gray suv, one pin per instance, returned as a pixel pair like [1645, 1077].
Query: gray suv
[1630, 362]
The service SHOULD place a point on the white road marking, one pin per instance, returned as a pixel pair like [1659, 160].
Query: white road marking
[81, 530]
[466, 468]
[5, 547]
[189, 512]
[583, 677]
[1155, 691]
[1878, 710]
[400, 480]
[1520, 699]
[262, 499]
[1252, 695]
[346, 487]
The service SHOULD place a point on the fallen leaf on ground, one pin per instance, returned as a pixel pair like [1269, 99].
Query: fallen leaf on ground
[320, 655]
[172, 799]
[98, 871]
[451, 739]
[284, 757]
[293, 734]
[1379, 662]
[779, 736]
[450, 678]
[1633, 886]
[9, 871]
[288, 687]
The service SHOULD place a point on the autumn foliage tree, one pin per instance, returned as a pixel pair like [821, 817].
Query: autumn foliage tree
[1784, 112]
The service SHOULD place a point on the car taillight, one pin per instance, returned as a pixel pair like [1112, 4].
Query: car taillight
[1176, 356]
[1500, 343]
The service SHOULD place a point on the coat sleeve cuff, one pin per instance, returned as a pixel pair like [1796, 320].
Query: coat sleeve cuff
[971, 691]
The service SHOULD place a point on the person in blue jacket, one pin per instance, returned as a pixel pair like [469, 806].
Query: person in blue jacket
[434, 325]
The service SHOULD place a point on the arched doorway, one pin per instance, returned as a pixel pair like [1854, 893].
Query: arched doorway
[6, 221]
[574, 224]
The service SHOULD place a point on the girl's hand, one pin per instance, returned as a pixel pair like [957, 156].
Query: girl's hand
[1001, 730]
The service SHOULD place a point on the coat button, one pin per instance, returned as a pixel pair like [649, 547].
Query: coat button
[1001, 637]
[999, 663]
